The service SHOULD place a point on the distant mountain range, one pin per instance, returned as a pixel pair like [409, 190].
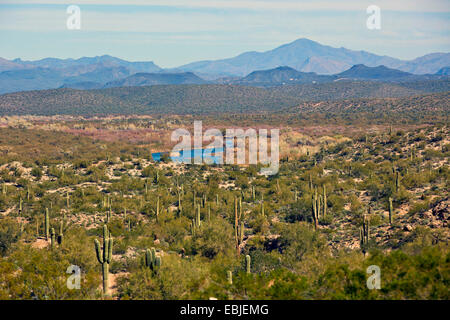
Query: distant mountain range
[310, 56]
[289, 76]
[302, 61]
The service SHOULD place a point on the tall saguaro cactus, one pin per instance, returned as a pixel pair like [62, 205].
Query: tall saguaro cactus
[364, 234]
[156, 177]
[241, 232]
[20, 205]
[229, 277]
[47, 224]
[193, 227]
[104, 255]
[151, 260]
[248, 261]
[157, 209]
[198, 220]
[108, 215]
[52, 237]
[180, 206]
[236, 221]
[60, 236]
[397, 181]
[240, 207]
[315, 214]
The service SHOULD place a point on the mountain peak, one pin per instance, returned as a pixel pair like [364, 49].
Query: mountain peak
[301, 43]
[305, 40]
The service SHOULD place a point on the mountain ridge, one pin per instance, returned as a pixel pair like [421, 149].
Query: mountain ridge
[201, 99]
[310, 56]
[303, 55]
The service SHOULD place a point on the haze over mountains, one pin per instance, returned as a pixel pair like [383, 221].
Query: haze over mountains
[302, 61]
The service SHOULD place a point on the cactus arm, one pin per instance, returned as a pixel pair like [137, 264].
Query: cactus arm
[110, 246]
[98, 251]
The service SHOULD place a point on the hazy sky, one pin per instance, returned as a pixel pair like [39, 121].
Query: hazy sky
[175, 32]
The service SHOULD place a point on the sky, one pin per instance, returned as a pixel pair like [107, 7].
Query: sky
[175, 32]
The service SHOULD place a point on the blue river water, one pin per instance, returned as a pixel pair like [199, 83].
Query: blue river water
[212, 155]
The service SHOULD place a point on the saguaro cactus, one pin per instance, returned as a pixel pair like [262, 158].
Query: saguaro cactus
[60, 236]
[248, 261]
[180, 207]
[52, 237]
[157, 209]
[325, 205]
[364, 234]
[20, 205]
[108, 215]
[104, 255]
[198, 221]
[319, 204]
[47, 224]
[315, 215]
[193, 227]
[241, 232]
[148, 259]
[236, 221]
[151, 260]
[229, 277]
